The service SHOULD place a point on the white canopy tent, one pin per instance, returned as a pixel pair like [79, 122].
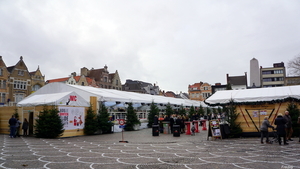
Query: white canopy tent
[255, 95]
[64, 98]
[110, 95]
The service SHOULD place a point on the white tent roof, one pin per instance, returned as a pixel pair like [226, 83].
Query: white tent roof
[64, 98]
[255, 95]
[111, 95]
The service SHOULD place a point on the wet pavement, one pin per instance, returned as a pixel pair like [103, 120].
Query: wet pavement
[146, 151]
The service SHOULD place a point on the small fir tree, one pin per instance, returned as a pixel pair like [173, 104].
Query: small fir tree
[201, 110]
[90, 125]
[153, 111]
[103, 120]
[294, 113]
[235, 128]
[182, 111]
[169, 110]
[49, 124]
[132, 118]
[192, 112]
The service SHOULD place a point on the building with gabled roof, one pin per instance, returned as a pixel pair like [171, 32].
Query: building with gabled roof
[16, 82]
[199, 91]
[103, 78]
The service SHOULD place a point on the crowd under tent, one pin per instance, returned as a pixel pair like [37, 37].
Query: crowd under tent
[253, 105]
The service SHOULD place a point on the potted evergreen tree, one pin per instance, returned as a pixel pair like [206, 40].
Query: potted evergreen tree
[132, 120]
[153, 111]
[90, 125]
[48, 124]
[103, 120]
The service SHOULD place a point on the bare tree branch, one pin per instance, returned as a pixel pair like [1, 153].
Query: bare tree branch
[294, 66]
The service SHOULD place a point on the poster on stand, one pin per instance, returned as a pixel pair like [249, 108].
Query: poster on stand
[72, 117]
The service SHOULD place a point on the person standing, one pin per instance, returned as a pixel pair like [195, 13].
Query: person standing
[264, 130]
[280, 122]
[288, 128]
[18, 127]
[25, 127]
[12, 125]
[171, 123]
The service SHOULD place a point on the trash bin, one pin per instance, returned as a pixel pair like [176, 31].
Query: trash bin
[176, 130]
[155, 130]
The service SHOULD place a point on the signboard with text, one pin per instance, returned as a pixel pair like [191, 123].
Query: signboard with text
[72, 117]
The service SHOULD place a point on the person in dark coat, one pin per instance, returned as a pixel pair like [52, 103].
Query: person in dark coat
[171, 123]
[12, 125]
[25, 127]
[288, 129]
[280, 122]
[155, 120]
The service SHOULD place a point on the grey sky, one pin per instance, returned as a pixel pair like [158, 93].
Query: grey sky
[172, 43]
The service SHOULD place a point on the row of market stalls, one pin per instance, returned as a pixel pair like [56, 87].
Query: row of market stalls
[59, 94]
[73, 101]
[253, 105]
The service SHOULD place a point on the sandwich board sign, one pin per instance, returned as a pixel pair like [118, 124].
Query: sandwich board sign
[214, 129]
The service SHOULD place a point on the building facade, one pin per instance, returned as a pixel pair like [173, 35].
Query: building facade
[237, 82]
[103, 78]
[140, 87]
[273, 76]
[199, 91]
[16, 82]
[292, 80]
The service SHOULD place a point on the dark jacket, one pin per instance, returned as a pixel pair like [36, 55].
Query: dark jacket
[12, 121]
[280, 122]
[155, 120]
[288, 120]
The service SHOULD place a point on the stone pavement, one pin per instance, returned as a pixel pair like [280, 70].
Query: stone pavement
[146, 151]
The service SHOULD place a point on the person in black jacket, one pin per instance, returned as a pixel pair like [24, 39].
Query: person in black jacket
[12, 125]
[280, 122]
[171, 123]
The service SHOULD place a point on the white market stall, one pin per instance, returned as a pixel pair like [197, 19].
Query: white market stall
[253, 104]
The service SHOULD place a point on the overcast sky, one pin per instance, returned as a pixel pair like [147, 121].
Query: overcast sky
[171, 43]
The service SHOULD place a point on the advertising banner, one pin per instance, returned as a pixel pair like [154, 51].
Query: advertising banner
[72, 117]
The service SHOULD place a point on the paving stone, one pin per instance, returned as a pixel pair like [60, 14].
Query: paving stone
[144, 151]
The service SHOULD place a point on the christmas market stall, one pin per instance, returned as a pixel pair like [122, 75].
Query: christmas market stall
[252, 105]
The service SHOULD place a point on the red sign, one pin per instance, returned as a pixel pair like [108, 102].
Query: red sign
[73, 98]
[121, 122]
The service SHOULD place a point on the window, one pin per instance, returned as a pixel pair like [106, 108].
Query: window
[19, 97]
[266, 72]
[278, 71]
[205, 87]
[21, 72]
[2, 97]
[3, 84]
[36, 87]
[20, 84]
[105, 79]
[1, 72]
[82, 83]
[267, 79]
[117, 82]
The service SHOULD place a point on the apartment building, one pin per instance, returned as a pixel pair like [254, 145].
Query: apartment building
[273, 76]
[199, 91]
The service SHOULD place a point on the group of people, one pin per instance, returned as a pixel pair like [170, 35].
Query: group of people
[283, 128]
[14, 125]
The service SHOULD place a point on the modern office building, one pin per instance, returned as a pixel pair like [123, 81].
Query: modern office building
[273, 76]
